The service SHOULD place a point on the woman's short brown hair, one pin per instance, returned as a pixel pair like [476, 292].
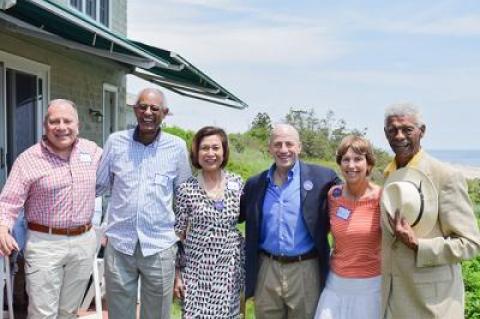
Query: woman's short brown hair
[359, 145]
[200, 135]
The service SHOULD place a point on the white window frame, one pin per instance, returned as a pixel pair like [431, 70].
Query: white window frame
[97, 14]
[113, 89]
[40, 70]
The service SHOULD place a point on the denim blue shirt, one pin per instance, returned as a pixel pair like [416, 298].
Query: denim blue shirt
[283, 229]
[142, 180]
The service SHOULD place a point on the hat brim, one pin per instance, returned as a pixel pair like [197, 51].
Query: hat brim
[430, 197]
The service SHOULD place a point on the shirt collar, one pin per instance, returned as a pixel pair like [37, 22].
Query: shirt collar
[293, 171]
[136, 136]
[413, 163]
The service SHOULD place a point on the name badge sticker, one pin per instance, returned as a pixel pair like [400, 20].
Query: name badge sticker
[233, 186]
[343, 213]
[161, 179]
[85, 158]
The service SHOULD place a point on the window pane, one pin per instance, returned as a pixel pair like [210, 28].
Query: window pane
[104, 12]
[91, 8]
[22, 98]
[77, 4]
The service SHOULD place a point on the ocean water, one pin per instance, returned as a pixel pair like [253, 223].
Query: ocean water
[461, 157]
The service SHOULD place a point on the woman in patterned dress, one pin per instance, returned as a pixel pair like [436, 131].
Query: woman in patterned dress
[353, 288]
[210, 276]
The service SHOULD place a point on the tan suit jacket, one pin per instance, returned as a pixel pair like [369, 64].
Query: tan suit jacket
[428, 283]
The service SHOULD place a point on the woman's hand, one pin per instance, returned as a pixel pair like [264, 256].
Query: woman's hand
[178, 287]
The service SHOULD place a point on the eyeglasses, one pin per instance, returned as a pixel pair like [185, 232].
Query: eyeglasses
[144, 107]
[406, 130]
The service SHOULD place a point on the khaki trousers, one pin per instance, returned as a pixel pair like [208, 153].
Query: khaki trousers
[57, 270]
[287, 290]
[156, 273]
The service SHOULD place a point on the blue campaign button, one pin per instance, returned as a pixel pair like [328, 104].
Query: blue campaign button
[337, 192]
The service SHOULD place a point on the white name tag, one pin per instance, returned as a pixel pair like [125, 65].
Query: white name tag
[343, 213]
[161, 179]
[233, 186]
[85, 158]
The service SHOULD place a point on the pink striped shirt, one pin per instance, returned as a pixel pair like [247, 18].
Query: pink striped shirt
[54, 192]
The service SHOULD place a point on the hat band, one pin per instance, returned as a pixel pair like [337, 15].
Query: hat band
[420, 213]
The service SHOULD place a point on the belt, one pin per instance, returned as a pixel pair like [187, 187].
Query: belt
[291, 259]
[72, 231]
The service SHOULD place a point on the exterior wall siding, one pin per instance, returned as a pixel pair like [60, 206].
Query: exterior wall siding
[76, 76]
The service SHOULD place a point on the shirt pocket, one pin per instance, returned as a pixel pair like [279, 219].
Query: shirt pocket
[163, 184]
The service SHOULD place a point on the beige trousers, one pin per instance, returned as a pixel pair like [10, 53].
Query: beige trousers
[57, 269]
[287, 290]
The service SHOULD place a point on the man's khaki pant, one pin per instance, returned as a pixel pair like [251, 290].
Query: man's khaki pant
[57, 269]
[287, 290]
[156, 273]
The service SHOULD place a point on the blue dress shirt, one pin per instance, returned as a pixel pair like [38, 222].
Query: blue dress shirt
[283, 230]
[141, 179]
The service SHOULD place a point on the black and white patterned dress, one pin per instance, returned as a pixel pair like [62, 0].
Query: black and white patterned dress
[213, 272]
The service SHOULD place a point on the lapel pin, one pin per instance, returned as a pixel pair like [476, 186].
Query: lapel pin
[308, 185]
[337, 192]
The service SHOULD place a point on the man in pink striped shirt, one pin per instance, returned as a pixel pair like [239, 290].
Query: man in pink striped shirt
[54, 181]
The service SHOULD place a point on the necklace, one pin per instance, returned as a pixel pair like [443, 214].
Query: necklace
[214, 189]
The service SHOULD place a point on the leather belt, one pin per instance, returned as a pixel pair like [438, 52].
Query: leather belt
[291, 259]
[72, 231]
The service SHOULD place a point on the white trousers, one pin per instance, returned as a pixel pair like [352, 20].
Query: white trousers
[57, 269]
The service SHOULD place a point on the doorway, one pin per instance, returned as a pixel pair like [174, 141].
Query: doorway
[22, 105]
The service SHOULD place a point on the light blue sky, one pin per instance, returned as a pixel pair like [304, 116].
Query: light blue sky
[353, 57]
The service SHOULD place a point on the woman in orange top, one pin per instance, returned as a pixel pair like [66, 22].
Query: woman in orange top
[353, 285]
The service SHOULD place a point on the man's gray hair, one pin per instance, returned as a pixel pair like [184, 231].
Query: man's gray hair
[284, 127]
[404, 109]
[61, 101]
[154, 91]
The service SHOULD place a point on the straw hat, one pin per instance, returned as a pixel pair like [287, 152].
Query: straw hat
[413, 193]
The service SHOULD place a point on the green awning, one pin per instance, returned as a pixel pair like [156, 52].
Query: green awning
[55, 23]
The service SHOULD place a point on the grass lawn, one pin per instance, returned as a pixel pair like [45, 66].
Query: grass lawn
[177, 313]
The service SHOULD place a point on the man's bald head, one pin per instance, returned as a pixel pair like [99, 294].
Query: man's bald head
[282, 128]
[62, 104]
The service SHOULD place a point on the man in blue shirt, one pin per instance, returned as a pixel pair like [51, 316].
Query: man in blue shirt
[287, 223]
[141, 168]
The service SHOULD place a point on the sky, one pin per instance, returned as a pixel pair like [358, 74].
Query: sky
[352, 57]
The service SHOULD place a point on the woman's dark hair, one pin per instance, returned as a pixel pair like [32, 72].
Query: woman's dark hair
[200, 135]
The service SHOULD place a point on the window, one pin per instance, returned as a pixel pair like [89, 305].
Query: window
[77, 4]
[91, 9]
[104, 12]
[98, 10]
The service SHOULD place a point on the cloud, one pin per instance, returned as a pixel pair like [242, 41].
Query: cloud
[260, 36]
[438, 18]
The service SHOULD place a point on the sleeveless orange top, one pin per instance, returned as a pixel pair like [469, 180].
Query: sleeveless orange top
[355, 226]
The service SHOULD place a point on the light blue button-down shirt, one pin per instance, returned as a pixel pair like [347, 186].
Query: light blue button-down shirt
[141, 179]
[283, 229]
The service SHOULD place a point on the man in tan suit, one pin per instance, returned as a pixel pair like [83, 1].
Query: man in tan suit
[422, 277]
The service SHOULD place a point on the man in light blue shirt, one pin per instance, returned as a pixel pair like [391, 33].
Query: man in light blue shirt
[281, 207]
[287, 251]
[141, 168]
